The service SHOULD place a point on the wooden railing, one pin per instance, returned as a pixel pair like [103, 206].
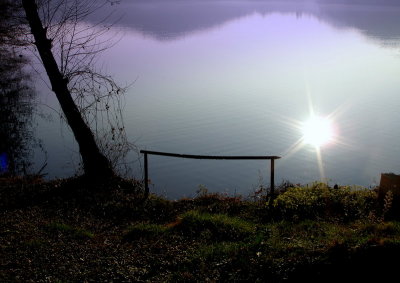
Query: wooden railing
[191, 156]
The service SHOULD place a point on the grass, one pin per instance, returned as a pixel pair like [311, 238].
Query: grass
[312, 233]
[214, 226]
[281, 255]
[144, 230]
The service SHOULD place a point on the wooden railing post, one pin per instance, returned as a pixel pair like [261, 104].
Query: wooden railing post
[146, 176]
[272, 177]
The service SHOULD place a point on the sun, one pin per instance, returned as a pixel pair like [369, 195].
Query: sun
[317, 131]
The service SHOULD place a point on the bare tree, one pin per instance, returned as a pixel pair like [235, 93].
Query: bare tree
[67, 46]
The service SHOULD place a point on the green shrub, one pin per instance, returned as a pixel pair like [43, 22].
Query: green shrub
[383, 229]
[319, 201]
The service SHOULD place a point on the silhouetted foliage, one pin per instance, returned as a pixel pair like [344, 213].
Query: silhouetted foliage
[11, 24]
[16, 96]
[16, 109]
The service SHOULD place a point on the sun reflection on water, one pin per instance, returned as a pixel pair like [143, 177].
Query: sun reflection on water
[317, 131]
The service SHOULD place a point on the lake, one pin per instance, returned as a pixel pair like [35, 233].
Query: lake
[241, 78]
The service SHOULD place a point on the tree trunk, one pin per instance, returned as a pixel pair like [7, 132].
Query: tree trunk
[94, 162]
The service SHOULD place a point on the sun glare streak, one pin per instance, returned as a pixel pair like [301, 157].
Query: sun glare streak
[291, 122]
[345, 143]
[294, 148]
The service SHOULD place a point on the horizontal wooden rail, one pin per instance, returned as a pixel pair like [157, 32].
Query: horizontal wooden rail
[213, 157]
[209, 156]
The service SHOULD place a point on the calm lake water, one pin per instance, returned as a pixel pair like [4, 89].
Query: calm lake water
[239, 78]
